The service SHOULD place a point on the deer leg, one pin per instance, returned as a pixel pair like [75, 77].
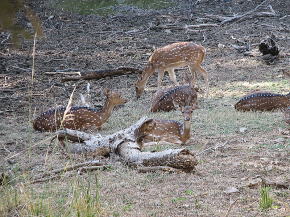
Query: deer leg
[205, 77]
[160, 77]
[172, 76]
[192, 70]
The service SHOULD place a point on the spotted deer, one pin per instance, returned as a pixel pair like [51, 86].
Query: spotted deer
[167, 99]
[78, 117]
[170, 131]
[263, 101]
[170, 57]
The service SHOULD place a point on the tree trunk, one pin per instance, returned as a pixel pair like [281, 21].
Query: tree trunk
[124, 143]
[102, 74]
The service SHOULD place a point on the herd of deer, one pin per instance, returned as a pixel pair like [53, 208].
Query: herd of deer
[167, 58]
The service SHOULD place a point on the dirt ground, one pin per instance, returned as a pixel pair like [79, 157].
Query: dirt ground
[252, 145]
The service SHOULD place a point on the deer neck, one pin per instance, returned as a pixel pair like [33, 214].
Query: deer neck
[185, 134]
[107, 110]
[145, 76]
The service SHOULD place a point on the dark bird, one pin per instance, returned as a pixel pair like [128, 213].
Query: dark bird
[268, 46]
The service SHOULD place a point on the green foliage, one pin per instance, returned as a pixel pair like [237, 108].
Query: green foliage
[178, 199]
[266, 201]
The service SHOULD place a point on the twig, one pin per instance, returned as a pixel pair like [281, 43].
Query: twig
[230, 208]
[232, 19]
[213, 148]
[158, 168]
[202, 25]
[4, 40]
[17, 67]
[91, 168]
[284, 17]
[33, 58]
[69, 168]
[45, 179]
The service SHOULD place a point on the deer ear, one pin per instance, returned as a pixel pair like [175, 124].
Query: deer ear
[106, 91]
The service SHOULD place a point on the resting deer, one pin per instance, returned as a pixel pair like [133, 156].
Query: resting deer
[263, 101]
[180, 96]
[155, 130]
[170, 57]
[78, 117]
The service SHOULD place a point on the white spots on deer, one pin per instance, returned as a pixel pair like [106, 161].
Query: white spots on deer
[79, 117]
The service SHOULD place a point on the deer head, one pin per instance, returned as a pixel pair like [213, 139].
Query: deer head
[140, 84]
[114, 97]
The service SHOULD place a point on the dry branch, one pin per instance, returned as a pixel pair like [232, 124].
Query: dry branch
[124, 144]
[248, 15]
[69, 168]
[62, 73]
[103, 74]
[157, 168]
[191, 28]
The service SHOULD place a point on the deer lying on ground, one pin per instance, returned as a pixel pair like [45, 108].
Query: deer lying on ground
[180, 96]
[170, 131]
[263, 101]
[78, 117]
[170, 57]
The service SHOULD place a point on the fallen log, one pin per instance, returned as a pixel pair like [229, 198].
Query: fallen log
[125, 145]
[96, 75]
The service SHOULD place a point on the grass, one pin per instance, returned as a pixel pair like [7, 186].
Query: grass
[123, 192]
[266, 200]
[80, 198]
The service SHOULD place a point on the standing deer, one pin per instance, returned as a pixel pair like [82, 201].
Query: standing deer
[155, 130]
[287, 115]
[78, 117]
[263, 101]
[170, 57]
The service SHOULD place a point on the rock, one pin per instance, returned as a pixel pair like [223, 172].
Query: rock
[231, 190]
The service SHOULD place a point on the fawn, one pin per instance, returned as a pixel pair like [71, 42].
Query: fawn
[78, 117]
[173, 56]
[263, 101]
[167, 130]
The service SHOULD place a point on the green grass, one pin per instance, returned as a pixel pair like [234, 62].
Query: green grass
[266, 200]
[80, 198]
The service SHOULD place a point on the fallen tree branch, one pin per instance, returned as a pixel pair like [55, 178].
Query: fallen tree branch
[248, 15]
[63, 73]
[191, 28]
[69, 168]
[157, 168]
[124, 144]
[103, 74]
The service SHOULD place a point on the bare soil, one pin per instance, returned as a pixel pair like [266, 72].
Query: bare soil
[83, 43]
